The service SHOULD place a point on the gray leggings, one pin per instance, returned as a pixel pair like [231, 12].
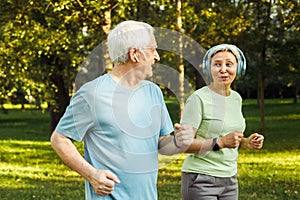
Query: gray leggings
[203, 187]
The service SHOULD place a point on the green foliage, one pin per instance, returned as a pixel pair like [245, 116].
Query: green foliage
[43, 43]
[30, 169]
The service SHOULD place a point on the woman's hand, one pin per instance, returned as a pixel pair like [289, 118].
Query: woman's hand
[255, 141]
[231, 140]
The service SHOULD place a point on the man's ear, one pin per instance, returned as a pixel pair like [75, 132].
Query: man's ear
[133, 56]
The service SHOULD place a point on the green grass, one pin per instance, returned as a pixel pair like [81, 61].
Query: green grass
[29, 168]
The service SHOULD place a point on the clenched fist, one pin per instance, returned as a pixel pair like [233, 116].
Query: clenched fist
[184, 135]
[103, 182]
[255, 141]
[231, 140]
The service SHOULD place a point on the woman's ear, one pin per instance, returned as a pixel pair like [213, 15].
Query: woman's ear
[133, 56]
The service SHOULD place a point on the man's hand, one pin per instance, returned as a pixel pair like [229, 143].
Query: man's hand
[179, 143]
[184, 135]
[103, 182]
[231, 140]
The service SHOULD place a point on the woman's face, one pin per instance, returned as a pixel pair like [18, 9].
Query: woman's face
[223, 68]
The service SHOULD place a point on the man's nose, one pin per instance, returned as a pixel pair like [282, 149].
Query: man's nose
[156, 56]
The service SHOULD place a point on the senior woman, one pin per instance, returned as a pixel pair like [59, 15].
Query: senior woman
[215, 113]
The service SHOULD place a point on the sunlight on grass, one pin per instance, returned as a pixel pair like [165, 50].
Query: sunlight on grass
[275, 172]
[30, 169]
[27, 106]
[168, 161]
[21, 173]
[284, 117]
[12, 144]
[268, 101]
[285, 160]
[277, 118]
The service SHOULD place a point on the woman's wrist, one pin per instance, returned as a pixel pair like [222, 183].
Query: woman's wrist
[220, 142]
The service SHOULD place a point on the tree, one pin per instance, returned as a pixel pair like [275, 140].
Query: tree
[44, 43]
[272, 22]
[47, 40]
[290, 51]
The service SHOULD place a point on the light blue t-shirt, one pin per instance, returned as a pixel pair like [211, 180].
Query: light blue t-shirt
[120, 128]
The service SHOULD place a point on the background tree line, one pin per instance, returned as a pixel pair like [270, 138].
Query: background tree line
[43, 43]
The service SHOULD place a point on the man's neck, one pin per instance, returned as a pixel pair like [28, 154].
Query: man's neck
[126, 75]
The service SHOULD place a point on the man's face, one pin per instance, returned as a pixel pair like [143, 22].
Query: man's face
[150, 56]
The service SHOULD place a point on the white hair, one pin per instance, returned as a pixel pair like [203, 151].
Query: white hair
[127, 35]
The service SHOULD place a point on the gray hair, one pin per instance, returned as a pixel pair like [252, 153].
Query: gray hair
[241, 60]
[224, 47]
[127, 35]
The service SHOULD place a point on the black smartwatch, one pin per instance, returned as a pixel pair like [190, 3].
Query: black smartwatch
[215, 145]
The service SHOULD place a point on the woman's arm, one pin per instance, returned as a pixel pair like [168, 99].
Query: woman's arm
[254, 142]
[231, 140]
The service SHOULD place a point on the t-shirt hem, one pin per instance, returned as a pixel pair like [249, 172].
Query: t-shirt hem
[221, 175]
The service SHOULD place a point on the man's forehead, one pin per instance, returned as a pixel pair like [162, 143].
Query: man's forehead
[152, 42]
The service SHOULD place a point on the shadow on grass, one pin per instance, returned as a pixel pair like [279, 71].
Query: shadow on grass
[281, 122]
[28, 125]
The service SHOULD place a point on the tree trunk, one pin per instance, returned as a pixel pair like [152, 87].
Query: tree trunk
[62, 101]
[62, 95]
[200, 82]
[180, 59]
[261, 92]
[296, 96]
[106, 29]
[261, 78]
[261, 88]
[4, 111]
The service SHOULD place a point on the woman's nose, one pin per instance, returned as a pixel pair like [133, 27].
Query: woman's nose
[223, 67]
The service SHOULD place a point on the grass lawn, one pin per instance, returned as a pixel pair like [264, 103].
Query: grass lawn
[29, 168]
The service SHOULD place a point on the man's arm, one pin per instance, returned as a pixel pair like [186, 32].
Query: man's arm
[177, 143]
[101, 180]
[199, 145]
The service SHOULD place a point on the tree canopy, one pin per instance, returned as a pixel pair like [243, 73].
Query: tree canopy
[43, 43]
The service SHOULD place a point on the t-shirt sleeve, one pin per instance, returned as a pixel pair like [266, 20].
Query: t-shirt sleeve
[166, 122]
[167, 125]
[192, 113]
[77, 120]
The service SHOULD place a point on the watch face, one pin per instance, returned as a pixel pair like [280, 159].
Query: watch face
[215, 145]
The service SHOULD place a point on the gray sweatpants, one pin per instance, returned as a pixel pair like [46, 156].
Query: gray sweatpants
[203, 187]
